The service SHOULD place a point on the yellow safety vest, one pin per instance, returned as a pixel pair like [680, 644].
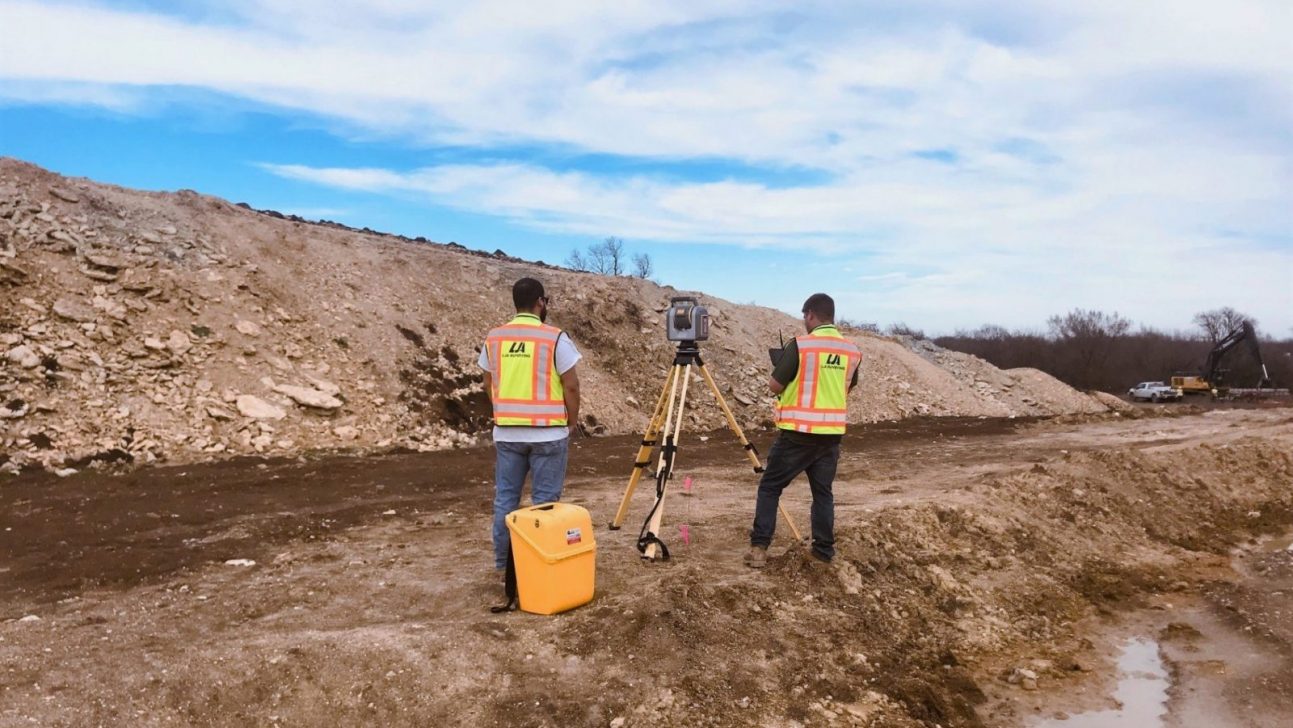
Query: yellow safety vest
[526, 389]
[816, 401]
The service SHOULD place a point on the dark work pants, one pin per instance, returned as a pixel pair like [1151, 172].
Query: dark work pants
[786, 460]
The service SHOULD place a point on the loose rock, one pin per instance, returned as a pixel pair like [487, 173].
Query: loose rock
[254, 407]
[71, 310]
[309, 397]
[23, 357]
[179, 342]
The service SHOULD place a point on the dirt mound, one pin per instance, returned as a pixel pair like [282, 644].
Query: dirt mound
[924, 597]
[346, 591]
[1112, 402]
[175, 326]
[1049, 393]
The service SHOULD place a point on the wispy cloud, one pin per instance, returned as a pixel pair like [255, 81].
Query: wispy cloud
[1097, 146]
[110, 97]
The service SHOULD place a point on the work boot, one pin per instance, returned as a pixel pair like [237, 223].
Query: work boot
[757, 557]
[819, 556]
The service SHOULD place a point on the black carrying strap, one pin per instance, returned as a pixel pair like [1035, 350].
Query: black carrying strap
[645, 537]
[509, 587]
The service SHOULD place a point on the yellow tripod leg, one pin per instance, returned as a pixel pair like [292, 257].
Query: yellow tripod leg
[653, 528]
[745, 443]
[649, 442]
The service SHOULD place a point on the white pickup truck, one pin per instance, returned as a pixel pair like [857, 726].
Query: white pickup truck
[1154, 392]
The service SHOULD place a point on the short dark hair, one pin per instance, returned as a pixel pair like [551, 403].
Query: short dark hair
[822, 305]
[525, 293]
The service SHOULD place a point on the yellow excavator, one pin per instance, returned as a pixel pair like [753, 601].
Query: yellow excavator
[1210, 379]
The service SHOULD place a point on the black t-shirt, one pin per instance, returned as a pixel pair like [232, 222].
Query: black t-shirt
[784, 372]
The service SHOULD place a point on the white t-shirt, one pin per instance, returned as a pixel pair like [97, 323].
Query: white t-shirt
[566, 357]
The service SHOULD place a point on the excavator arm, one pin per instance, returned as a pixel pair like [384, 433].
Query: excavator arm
[1265, 380]
[1245, 333]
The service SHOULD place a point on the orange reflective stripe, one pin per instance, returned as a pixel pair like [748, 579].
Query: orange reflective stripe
[832, 420]
[807, 377]
[536, 366]
[536, 339]
[543, 403]
[514, 330]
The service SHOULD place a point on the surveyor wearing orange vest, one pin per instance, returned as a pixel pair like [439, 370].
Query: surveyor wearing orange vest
[812, 379]
[534, 388]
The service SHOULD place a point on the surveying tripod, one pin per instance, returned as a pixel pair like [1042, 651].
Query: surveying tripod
[667, 421]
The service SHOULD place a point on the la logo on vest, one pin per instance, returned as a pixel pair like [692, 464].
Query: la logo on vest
[833, 360]
[517, 347]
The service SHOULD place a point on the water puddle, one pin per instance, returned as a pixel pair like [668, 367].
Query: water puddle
[1141, 693]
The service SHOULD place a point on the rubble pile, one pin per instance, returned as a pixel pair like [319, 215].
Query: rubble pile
[139, 326]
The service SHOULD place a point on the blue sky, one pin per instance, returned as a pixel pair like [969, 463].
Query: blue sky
[935, 162]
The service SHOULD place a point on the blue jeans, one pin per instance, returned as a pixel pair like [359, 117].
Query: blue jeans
[546, 461]
[786, 460]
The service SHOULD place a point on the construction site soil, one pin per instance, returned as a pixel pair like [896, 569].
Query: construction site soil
[982, 564]
[245, 480]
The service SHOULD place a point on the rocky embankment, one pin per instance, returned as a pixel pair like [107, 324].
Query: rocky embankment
[141, 326]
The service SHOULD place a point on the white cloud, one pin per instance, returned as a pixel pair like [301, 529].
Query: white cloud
[112, 98]
[1084, 146]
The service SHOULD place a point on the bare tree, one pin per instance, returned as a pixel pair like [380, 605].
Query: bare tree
[1090, 337]
[1219, 322]
[576, 261]
[902, 329]
[1134, 356]
[607, 257]
[991, 332]
[845, 323]
[1079, 324]
[642, 266]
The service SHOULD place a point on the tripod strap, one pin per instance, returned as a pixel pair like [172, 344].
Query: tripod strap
[647, 539]
[509, 587]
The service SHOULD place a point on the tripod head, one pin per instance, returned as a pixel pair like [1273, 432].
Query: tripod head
[688, 353]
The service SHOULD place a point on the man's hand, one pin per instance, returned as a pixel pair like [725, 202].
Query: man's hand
[775, 386]
[570, 384]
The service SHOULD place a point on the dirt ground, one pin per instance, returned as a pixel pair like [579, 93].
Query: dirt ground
[968, 548]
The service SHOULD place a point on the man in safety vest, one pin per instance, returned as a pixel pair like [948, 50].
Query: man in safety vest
[532, 383]
[812, 380]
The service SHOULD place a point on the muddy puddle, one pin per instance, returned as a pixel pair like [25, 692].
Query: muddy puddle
[1141, 693]
[1219, 658]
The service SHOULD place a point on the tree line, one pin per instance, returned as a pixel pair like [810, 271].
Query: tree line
[1099, 350]
[609, 258]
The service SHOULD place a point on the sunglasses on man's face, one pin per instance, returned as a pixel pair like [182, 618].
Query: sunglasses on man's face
[546, 300]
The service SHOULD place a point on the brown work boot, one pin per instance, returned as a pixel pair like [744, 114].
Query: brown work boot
[757, 557]
[819, 556]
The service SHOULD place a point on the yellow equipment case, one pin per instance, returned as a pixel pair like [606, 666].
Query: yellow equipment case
[555, 557]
